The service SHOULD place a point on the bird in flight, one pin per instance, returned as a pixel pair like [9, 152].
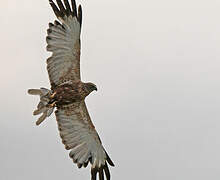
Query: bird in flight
[68, 92]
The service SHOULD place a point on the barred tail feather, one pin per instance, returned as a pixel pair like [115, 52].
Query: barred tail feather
[43, 107]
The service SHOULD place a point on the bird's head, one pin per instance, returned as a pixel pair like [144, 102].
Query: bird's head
[90, 87]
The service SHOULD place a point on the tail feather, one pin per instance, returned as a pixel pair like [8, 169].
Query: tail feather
[40, 105]
[41, 119]
[43, 107]
[39, 111]
[34, 91]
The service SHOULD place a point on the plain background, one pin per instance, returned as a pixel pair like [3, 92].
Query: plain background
[156, 65]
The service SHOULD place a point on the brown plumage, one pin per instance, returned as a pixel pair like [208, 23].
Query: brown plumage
[68, 92]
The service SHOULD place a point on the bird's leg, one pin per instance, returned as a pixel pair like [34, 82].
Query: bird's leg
[52, 104]
[53, 95]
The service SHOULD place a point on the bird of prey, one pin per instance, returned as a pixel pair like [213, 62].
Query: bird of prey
[68, 92]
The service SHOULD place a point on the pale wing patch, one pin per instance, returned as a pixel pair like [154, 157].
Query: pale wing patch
[64, 43]
[79, 135]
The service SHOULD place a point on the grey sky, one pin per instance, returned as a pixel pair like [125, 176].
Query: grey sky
[157, 68]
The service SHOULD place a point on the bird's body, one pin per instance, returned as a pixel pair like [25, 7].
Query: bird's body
[68, 92]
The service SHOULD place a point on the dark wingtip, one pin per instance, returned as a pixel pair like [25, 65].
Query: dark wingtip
[79, 165]
[93, 173]
[86, 164]
[79, 17]
[107, 173]
[55, 9]
[109, 159]
[101, 174]
[51, 25]
[62, 9]
[101, 171]
[68, 8]
[74, 8]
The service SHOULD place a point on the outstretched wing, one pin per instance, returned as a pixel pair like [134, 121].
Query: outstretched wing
[64, 42]
[79, 135]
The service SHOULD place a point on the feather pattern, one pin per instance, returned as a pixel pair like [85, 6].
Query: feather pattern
[63, 41]
[79, 135]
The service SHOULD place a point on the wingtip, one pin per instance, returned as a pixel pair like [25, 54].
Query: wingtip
[108, 159]
[80, 14]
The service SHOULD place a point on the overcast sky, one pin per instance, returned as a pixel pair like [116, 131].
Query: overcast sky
[157, 68]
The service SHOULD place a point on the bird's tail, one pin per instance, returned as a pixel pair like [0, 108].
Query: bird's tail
[44, 107]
